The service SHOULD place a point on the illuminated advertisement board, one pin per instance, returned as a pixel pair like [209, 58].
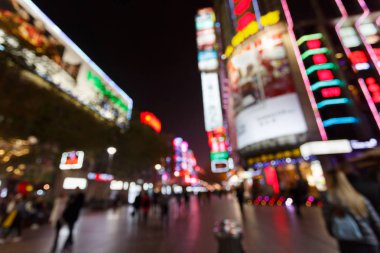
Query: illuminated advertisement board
[32, 40]
[265, 101]
[149, 119]
[72, 160]
[206, 40]
[211, 101]
[219, 150]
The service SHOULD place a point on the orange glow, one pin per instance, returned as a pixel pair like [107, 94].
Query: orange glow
[151, 120]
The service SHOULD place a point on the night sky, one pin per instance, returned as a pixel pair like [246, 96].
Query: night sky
[148, 48]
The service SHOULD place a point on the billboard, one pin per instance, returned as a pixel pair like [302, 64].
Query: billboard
[211, 101]
[266, 105]
[72, 160]
[33, 41]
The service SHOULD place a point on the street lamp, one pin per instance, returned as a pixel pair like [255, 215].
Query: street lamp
[111, 152]
[158, 167]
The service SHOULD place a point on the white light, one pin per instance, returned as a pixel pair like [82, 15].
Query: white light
[177, 189]
[4, 193]
[326, 147]
[71, 183]
[289, 202]
[111, 150]
[116, 185]
[176, 173]
[318, 178]
[362, 66]
[151, 186]
[126, 184]
[158, 166]
[363, 144]
[368, 29]
[146, 186]
[40, 192]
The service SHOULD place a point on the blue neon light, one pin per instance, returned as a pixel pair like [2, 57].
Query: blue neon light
[335, 101]
[340, 121]
[257, 12]
[322, 84]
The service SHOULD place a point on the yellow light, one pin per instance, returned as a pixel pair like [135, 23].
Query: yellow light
[9, 169]
[17, 172]
[29, 188]
[271, 18]
[22, 166]
[6, 159]
[2, 152]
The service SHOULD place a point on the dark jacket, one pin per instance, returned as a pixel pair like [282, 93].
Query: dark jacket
[369, 226]
[73, 207]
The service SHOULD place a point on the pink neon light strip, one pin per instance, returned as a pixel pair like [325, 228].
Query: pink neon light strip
[305, 78]
[363, 86]
[370, 102]
[369, 48]
[378, 21]
[338, 26]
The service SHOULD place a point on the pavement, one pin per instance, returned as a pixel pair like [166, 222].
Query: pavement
[188, 230]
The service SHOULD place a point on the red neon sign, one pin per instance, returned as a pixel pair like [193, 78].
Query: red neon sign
[319, 59]
[325, 75]
[243, 12]
[272, 179]
[374, 88]
[358, 57]
[331, 92]
[313, 44]
[148, 118]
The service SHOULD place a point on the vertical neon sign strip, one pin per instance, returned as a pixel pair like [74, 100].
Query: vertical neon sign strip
[339, 25]
[257, 12]
[369, 48]
[305, 78]
[370, 102]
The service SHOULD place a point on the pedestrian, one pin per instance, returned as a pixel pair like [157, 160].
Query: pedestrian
[240, 196]
[186, 196]
[349, 216]
[164, 205]
[56, 217]
[71, 214]
[136, 205]
[298, 193]
[145, 205]
[14, 219]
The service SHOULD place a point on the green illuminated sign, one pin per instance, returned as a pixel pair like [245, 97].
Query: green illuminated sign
[218, 156]
[105, 91]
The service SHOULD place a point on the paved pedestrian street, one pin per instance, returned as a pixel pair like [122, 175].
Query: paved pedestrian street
[189, 230]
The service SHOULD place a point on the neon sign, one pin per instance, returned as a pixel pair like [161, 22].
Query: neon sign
[149, 119]
[72, 160]
[271, 18]
[327, 88]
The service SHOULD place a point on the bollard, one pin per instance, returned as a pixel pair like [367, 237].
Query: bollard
[228, 234]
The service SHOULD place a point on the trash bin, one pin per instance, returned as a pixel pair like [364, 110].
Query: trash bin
[229, 235]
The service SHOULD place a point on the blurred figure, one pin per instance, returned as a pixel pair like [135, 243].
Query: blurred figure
[186, 197]
[349, 216]
[145, 205]
[299, 193]
[240, 195]
[56, 217]
[164, 205]
[178, 197]
[71, 214]
[136, 205]
[15, 213]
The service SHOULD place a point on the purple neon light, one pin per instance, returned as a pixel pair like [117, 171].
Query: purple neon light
[370, 102]
[369, 48]
[305, 78]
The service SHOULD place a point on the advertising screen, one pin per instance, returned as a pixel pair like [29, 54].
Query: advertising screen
[266, 105]
[72, 160]
[37, 44]
[211, 101]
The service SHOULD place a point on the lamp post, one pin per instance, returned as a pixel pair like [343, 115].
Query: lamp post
[111, 152]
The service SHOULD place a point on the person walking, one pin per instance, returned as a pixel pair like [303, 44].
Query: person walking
[71, 214]
[56, 217]
[137, 205]
[240, 196]
[164, 205]
[145, 205]
[14, 219]
[299, 194]
[349, 216]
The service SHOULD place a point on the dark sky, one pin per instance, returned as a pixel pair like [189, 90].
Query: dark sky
[148, 48]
